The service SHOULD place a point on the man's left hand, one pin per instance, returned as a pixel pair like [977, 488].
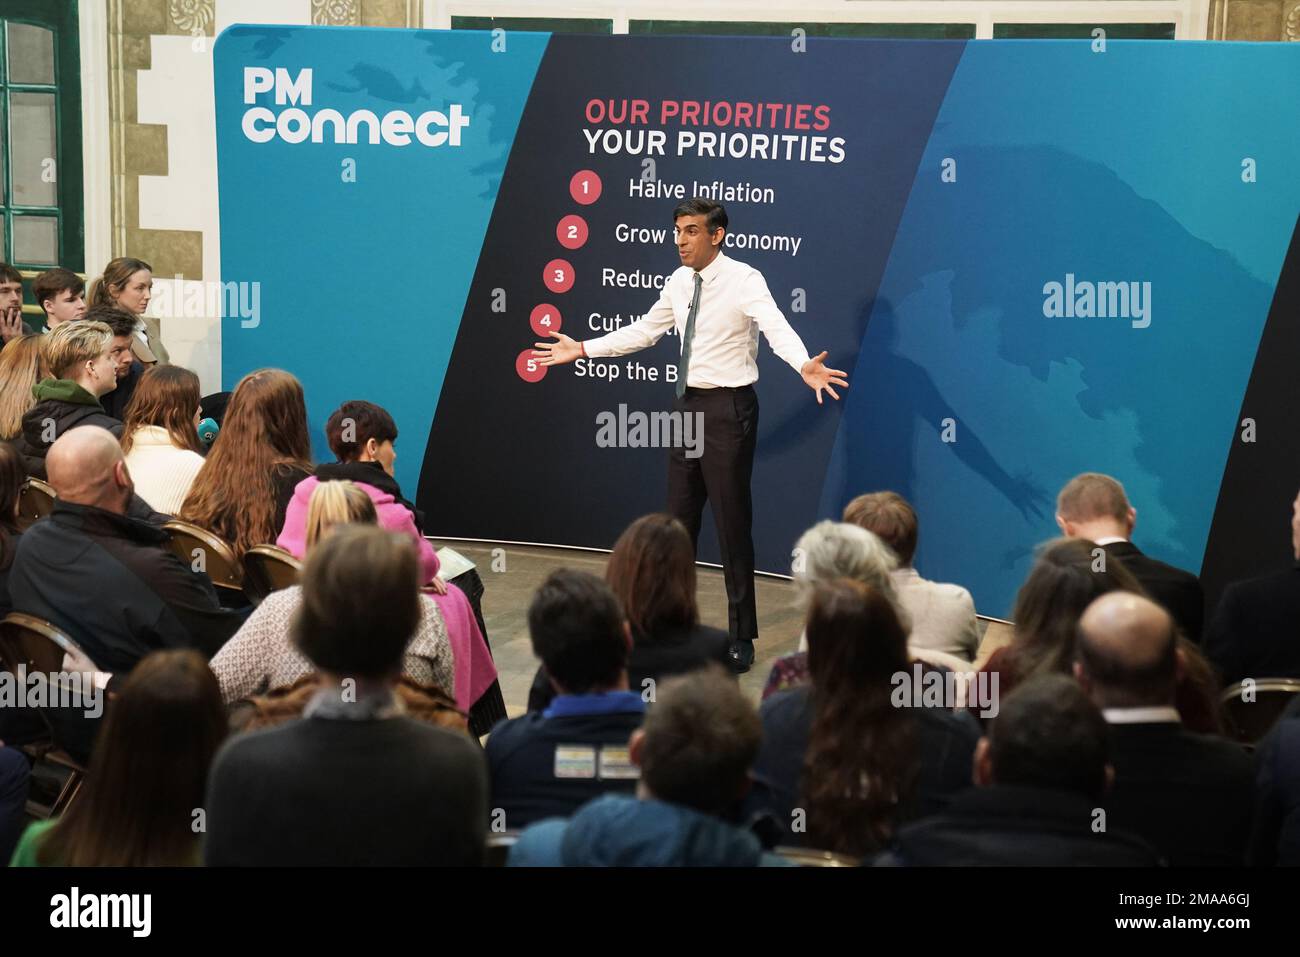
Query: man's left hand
[819, 377]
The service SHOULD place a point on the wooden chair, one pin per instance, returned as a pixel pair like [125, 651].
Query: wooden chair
[268, 568]
[36, 500]
[998, 633]
[810, 857]
[206, 552]
[1249, 721]
[40, 648]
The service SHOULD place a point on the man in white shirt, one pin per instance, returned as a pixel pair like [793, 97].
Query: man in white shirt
[718, 307]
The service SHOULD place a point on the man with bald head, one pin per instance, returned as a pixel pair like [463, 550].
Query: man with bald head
[105, 577]
[1189, 795]
[1095, 507]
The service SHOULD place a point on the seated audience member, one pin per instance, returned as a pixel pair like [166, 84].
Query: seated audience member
[159, 437]
[549, 763]
[146, 778]
[695, 750]
[1276, 836]
[20, 370]
[126, 367]
[104, 577]
[61, 294]
[354, 781]
[1255, 632]
[1041, 775]
[1188, 795]
[262, 655]
[128, 284]
[831, 550]
[11, 487]
[281, 705]
[652, 574]
[249, 475]
[1065, 579]
[15, 776]
[943, 616]
[362, 437]
[841, 749]
[1094, 507]
[79, 358]
[12, 324]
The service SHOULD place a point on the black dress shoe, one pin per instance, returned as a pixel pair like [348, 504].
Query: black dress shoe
[741, 655]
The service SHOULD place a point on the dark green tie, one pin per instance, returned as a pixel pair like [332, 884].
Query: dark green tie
[687, 336]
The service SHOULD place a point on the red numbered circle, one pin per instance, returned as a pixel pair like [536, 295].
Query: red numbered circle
[528, 367]
[585, 187]
[571, 232]
[545, 319]
[558, 276]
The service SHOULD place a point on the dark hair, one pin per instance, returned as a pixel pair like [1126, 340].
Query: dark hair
[700, 740]
[9, 274]
[13, 475]
[1065, 578]
[1048, 734]
[369, 421]
[54, 281]
[1125, 683]
[699, 206]
[576, 627]
[118, 272]
[165, 396]
[360, 602]
[888, 516]
[148, 771]
[123, 322]
[860, 764]
[652, 573]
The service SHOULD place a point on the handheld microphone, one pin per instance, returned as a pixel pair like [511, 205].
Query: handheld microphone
[208, 430]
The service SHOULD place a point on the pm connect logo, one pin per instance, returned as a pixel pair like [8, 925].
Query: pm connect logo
[295, 125]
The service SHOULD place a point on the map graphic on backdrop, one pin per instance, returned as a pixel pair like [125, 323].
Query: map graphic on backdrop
[1035, 259]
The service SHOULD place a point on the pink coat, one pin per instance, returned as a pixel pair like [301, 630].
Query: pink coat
[392, 516]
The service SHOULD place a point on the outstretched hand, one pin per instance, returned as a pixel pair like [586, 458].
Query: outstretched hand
[818, 377]
[557, 353]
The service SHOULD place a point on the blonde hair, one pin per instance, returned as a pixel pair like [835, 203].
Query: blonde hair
[73, 343]
[337, 503]
[1091, 496]
[20, 369]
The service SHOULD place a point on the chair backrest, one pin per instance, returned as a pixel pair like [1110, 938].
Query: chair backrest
[36, 643]
[269, 568]
[73, 703]
[207, 552]
[36, 500]
[998, 633]
[1251, 707]
[810, 857]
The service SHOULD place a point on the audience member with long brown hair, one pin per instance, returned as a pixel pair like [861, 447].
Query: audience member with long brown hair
[857, 761]
[12, 479]
[128, 284]
[261, 657]
[262, 453]
[147, 775]
[160, 436]
[652, 573]
[21, 367]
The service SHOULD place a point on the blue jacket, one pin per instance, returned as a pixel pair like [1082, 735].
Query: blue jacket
[617, 830]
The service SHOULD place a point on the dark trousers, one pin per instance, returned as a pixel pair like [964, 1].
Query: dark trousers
[721, 476]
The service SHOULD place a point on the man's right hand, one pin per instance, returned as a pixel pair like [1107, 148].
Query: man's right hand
[559, 352]
[11, 323]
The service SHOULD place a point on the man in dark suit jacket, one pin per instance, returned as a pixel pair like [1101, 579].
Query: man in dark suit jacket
[1040, 775]
[1094, 506]
[1255, 632]
[1189, 795]
[1277, 812]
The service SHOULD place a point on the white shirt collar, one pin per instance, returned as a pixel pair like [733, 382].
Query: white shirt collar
[712, 269]
[1161, 715]
[1109, 540]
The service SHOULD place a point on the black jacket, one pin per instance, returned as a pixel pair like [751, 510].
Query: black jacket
[115, 402]
[1276, 838]
[1178, 591]
[1016, 826]
[1188, 795]
[1255, 632]
[107, 581]
[373, 474]
[65, 405]
[321, 792]
[674, 652]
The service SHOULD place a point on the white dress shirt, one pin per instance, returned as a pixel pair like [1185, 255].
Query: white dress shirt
[734, 307]
[1156, 715]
